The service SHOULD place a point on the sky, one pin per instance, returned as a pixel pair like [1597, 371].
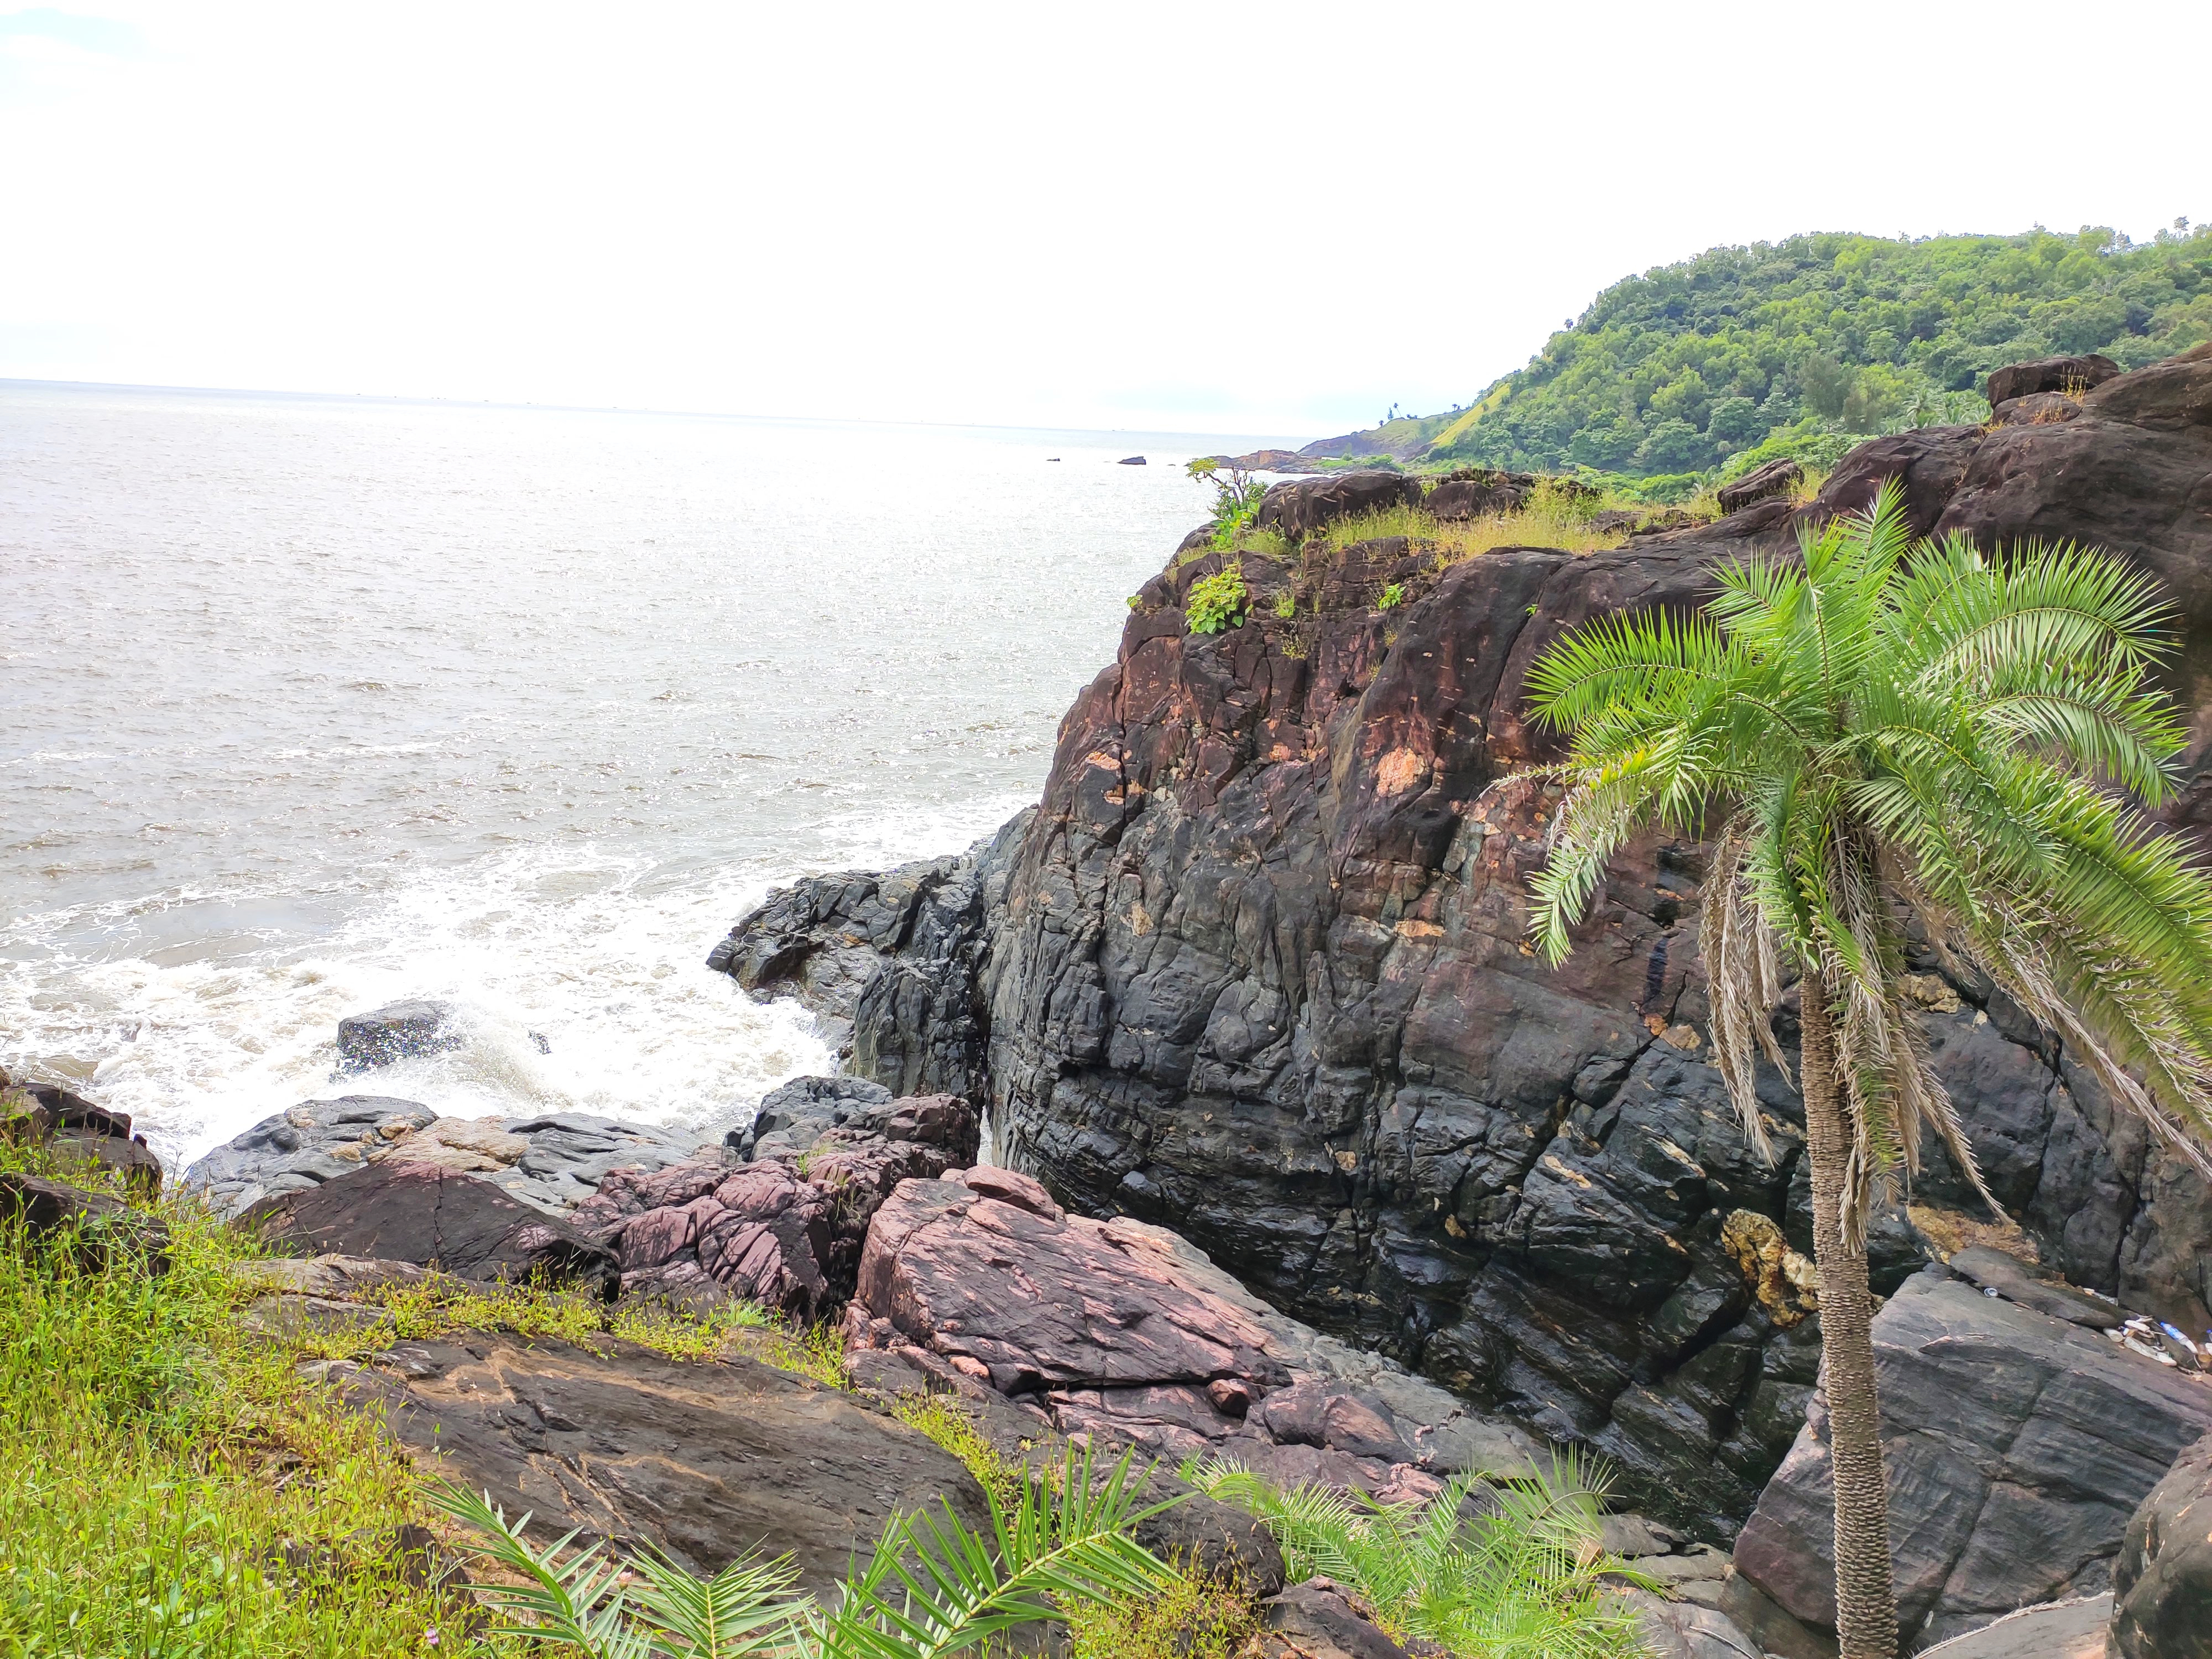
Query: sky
[1192, 217]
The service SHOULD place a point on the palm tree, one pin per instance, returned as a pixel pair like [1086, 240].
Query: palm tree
[1891, 737]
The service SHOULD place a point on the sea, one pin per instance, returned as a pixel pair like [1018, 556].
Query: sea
[309, 704]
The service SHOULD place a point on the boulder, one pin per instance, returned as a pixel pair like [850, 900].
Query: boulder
[2016, 1445]
[1477, 494]
[1682, 1630]
[1121, 1332]
[2032, 1286]
[433, 1217]
[2073, 1629]
[552, 1162]
[2073, 375]
[2162, 1579]
[1318, 1620]
[1775, 478]
[704, 1460]
[786, 1227]
[399, 1030]
[1929, 464]
[77, 1130]
[1298, 508]
[2037, 409]
[100, 1229]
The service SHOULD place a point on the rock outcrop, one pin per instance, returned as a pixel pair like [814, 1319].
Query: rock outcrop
[97, 1229]
[704, 1460]
[2017, 1445]
[1305, 505]
[2162, 1579]
[784, 1227]
[424, 1213]
[553, 1162]
[1122, 1332]
[1254, 970]
[78, 1131]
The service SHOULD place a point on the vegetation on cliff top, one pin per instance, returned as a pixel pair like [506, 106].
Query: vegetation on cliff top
[1799, 347]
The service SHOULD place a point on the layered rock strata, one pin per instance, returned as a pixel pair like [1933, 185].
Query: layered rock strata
[1254, 970]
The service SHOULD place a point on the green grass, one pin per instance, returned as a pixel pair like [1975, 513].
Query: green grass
[940, 1417]
[168, 1485]
[1192, 1618]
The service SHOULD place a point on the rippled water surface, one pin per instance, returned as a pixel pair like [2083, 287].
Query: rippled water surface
[309, 704]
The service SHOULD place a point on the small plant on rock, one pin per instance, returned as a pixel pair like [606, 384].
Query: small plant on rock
[1393, 597]
[1237, 497]
[1218, 602]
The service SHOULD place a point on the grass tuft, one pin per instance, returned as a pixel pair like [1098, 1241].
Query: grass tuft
[937, 1416]
[1193, 1618]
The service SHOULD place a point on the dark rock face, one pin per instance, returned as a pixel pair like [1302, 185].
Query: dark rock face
[100, 1229]
[79, 1130]
[705, 1460]
[892, 964]
[2069, 374]
[2162, 1579]
[1121, 1330]
[1299, 509]
[1929, 462]
[1775, 478]
[399, 1030]
[2016, 1446]
[293, 1151]
[786, 1228]
[421, 1213]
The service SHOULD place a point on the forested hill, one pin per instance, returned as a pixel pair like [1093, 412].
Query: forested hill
[1796, 346]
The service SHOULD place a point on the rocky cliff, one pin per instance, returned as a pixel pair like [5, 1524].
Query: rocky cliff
[1253, 970]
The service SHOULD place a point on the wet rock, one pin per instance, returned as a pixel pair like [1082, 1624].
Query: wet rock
[299, 1148]
[1775, 478]
[1298, 508]
[2162, 1579]
[2072, 375]
[706, 1460]
[2016, 1445]
[399, 1030]
[433, 1217]
[100, 1231]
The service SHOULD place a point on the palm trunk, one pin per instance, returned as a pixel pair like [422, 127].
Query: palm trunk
[1866, 1602]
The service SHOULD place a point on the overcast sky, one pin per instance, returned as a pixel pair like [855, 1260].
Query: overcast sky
[1232, 218]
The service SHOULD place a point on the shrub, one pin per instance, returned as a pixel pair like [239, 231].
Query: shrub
[1392, 596]
[1218, 602]
[1521, 1580]
[1286, 604]
[1236, 498]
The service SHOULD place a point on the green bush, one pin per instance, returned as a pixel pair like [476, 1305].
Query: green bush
[1392, 596]
[1237, 496]
[1520, 1582]
[1218, 602]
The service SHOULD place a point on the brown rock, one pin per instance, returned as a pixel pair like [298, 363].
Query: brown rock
[705, 1460]
[1775, 478]
[1299, 509]
[2072, 375]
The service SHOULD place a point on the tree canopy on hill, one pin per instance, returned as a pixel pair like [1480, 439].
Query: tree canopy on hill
[1780, 347]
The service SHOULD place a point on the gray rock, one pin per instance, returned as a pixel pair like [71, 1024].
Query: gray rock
[2016, 1281]
[2058, 1630]
[2163, 1578]
[2017, 1447]
[553, 1163]
[399, 1030]
[1683, 1629]
[303, 1146]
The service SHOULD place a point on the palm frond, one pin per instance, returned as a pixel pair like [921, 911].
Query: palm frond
[577, 1602]
[933, 1586]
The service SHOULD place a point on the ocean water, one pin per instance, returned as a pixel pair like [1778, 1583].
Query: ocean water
[306, 704]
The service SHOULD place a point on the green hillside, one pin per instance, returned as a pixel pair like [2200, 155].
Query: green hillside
[1799, 345]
